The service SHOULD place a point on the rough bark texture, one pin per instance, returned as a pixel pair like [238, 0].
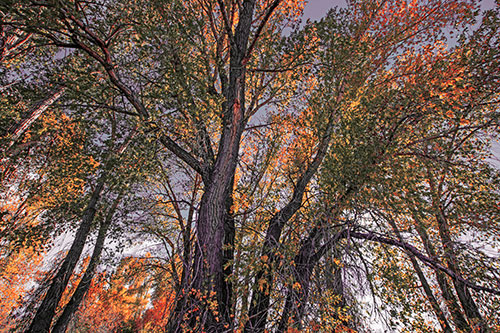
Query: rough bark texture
[213, 223]
[226, 308]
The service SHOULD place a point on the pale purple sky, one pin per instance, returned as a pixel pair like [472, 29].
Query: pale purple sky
[316, 9]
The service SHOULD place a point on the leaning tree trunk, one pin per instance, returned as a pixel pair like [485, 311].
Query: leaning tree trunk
[84, 285]
[10, 150]
[45, 314]
[35, 113]
[443, 322]
[446, 292]
[298, 291]
[260, 300]
[310, 253]
[471, 310]
[468, 304]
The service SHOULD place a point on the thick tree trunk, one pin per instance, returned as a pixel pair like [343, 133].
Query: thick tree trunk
[213, 227]
[226, 308]
[84, 285]
[46, 311]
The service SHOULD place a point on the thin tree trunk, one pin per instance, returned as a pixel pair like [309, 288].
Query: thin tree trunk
[260, 300]
[34, 115]
[84, 285]
[11, 42]
[445, 326]
[446, 292]
[468, 304]
[173, 323]
[261, 297]
[298, 292]
[46, 311]
[306, 260]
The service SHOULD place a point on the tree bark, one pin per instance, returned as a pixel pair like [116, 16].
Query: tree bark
[212, 228]
[84, 285]
[260, 298]
[173, 323]
[446, 292]
[298, 292]
[443, 322]
[34, 115]
[46, 311]
[468, 304]
[226, 308]
[306, 260]
[471, 310]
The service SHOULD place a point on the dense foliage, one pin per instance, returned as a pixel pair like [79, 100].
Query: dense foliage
[220, 166]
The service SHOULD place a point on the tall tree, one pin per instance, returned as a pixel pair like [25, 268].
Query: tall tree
[284, 148]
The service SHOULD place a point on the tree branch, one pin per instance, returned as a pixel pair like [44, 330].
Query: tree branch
[413, 251]
[270, 11]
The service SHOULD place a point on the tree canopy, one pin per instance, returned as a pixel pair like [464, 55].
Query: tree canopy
[225, 165]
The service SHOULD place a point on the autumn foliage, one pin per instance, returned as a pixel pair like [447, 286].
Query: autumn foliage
[229, 166]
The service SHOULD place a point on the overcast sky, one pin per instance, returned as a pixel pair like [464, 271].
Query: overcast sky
[315, 9]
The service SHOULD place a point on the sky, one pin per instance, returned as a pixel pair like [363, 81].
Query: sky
[315, 9]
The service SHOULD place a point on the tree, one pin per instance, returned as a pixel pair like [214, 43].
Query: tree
[289, 148]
